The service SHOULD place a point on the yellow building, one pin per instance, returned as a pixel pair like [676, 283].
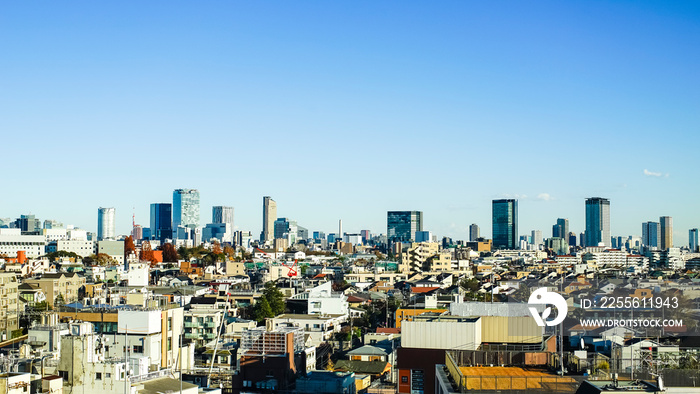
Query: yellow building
[440, 262]
[415, 257]
[65, 284]
[9, 304]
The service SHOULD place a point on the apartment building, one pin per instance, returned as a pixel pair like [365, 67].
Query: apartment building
[63, 284]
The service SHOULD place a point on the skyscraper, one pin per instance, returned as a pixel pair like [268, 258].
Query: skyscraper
[536, 238]
[269, 217]
[105, 224]
[561, 229]
[650, 234]
[401, 226]
[505, 223]
[598, 221]
[473, 232]
[288, 229]
[161, 221]
[666, 232]
[186, 208]
[693, 240]
[221, 214]
[366, 235]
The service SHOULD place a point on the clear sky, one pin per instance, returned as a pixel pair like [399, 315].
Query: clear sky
[349, 109]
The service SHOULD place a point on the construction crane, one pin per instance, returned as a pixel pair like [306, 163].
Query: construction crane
[292, 269]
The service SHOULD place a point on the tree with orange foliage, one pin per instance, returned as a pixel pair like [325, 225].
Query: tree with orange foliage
[216, 248]
[129, 246]
[147, 253]
[230, 252]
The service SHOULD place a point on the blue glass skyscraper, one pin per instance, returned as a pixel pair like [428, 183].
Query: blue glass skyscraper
[597, 221]
[505, 223]
[650, 234]
[401, 226]
[161, 221]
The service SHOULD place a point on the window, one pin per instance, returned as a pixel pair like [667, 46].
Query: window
[170, 344]
[108, 375]
[138, 349]
[98, 375]
[404, 379]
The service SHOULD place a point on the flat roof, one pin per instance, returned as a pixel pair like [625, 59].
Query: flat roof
[502, 371]
[307, 317]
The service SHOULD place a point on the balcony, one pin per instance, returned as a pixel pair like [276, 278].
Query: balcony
[190, 324]
[210, 324]
[190, 335]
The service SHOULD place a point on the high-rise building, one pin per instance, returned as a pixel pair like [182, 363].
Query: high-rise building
[401, 226]
[366, 235]
[505, 223]
[137, 233]
[28, 224]
[269, 217]
[561, 229]
[287, 229]
[105, 224]
[650, 234]
[572, 239]
[186, 208]
[473, 232]
[161, 221]
[51, 224]
[536, 237]
[598, 221]
[693, 240]
[666, 238]
[221, 214]
[424, 236]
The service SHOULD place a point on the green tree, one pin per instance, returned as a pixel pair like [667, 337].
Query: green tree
[470, 284]
[262, 310]
[274, 298]
[59, 301]
[184, 253]
[62, 253]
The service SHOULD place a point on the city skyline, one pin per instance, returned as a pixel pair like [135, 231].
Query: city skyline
[102, 86]
[679, 232]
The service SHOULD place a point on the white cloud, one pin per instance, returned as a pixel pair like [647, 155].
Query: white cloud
[544, 197]
[651, 173]
[515, 196]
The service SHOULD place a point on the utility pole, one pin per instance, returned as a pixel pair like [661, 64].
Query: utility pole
[126, 364]
[182, 333]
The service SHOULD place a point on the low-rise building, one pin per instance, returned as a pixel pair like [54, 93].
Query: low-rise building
[57, 286]
[9, 304]
[319, 328]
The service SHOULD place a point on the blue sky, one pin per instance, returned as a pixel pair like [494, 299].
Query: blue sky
[349, 109]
